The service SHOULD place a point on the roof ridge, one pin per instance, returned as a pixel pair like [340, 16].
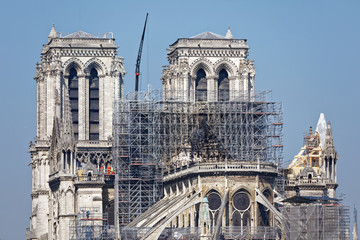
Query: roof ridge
[80, 34]
[208, 35]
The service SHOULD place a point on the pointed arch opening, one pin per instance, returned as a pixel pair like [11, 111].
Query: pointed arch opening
[201, 85]
[241, 205]
[74, 100]
[94, 105]
[223, 86]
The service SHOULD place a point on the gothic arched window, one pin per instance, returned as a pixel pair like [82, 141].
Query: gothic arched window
[94, 105]
[201, 86]
[214, 199]
[223, 86]
[241, 205]
[74, 101]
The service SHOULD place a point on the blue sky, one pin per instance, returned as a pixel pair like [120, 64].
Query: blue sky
[306, 52]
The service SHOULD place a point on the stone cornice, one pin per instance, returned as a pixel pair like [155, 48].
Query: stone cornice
[87, 53]
[215, 52]
[36, 193]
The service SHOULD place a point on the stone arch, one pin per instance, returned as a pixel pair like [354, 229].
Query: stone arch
[69, 201]
[158, 228]
[109, 209]
[97, 64]
[242, 188]
[203, 63]
[226, 64]
[73, 63]
[267, 188]
[238, 192]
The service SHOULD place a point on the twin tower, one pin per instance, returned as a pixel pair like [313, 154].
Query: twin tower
[220, 173]
[79, 78]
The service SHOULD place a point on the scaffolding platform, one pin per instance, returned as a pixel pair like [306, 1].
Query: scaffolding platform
[317, 222]
[153, 135]
[91, 225]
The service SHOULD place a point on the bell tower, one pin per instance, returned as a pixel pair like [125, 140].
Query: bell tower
[78, 79]
[208, 67]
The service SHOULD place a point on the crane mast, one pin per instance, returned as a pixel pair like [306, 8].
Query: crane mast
[137, 69]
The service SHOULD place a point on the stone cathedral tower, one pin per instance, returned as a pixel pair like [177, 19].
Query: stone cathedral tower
[208, 67]
[78, 79]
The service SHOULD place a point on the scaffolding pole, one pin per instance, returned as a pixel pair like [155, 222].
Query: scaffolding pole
[152, 134]
[317, 222]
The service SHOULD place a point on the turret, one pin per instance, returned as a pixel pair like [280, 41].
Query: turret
[52, 33]
[329, 155]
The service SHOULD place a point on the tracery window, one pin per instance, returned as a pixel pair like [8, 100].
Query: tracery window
[214, 206]
[94, 105]
[241, 209]
[201, 86]
[223, 86]
[74, 101]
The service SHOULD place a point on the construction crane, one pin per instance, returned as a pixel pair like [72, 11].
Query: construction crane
[138, 60]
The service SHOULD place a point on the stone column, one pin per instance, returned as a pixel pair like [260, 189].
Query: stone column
[50, 97]
[327, 168]
[41, 165]
[235, 86]
[102, 97]
[332, 170]
[47, 171]
[81, 106]
[106, 103]
[192, 216]
[192, 89]
[211, 89]
[33, 177]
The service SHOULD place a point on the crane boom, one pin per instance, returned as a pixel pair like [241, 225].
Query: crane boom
[137, 69]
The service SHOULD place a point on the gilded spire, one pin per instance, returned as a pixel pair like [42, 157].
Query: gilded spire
[52, 33]
[229, 34]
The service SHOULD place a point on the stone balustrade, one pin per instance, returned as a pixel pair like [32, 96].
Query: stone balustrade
[307, 181]
[261, 167]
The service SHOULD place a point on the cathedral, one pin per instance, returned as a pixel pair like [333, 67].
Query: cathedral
[201, 159]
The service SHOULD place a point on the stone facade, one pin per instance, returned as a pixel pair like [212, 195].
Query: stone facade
[210, 53]
[78, 79]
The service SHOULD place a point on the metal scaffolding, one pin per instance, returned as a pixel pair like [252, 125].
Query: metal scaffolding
[135, 150]
[91, 225]
[151, 134]
[316, 221]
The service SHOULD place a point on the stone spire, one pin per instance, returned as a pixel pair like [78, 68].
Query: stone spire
[229, 34]
[67, 134]
[52, 33]
[329, 148]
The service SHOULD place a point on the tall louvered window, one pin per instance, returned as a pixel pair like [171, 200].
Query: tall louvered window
[201, 86]
[74, 101]
[94, 105]
[223, 86]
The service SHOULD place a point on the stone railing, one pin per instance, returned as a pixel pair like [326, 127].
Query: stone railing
[307, 181]
[89, 178]
[92, 143]
[42, 142]
[260, 167]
